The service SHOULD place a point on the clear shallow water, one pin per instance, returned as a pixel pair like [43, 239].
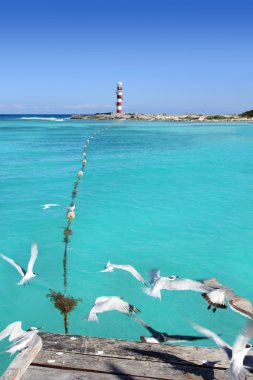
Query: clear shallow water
[168, 195]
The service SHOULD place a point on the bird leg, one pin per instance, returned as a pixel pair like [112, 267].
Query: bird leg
[209, 307]
[214, 309]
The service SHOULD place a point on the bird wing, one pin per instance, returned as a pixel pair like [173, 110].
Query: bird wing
[21, 270]
[240, 350]
[117, 303]
[144, 324]
[154, 275]
[108, 267]
[242, 306]
[13, 330]
[20, 343]
[211, 282]
[220, 342]
[243, 338]
[34, 254]
[101, 304]
[133, 271]
[184, 284]
[47, 205]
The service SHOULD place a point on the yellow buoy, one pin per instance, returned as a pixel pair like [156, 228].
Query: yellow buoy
[84, 161]
[80, 173]
[71, 215]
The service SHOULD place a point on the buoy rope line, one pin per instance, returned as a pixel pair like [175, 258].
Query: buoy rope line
[63, 302]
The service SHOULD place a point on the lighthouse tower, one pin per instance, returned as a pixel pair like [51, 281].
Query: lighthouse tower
[119, 93]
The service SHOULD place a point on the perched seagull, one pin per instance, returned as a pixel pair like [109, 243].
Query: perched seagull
[109, 267]
[103, 304]
[237, 353]
[171, 283]
[158, 337]
[48, 205]
[25, 274]
[71, 208]
[18, 336]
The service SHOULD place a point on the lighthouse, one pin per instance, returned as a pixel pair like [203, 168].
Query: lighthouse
[119, 93]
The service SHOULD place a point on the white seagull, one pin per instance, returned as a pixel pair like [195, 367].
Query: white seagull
[103, 304]
[171, 283]
[25, 274]
[48, 205]
[218, 296]
[109, 267]
[237, 353]
[18, 336]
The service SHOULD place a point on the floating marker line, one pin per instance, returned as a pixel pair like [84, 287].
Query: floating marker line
[64, 302]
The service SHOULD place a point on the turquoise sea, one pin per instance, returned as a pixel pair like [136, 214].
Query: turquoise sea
[174, 196]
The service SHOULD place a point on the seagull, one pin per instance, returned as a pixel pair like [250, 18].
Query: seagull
[158, 337]
[25, 274]
[109, 267]
[235, 354]
[48, 205]
[103, 304]
[217, 297]
[18, 336]
[171, 283]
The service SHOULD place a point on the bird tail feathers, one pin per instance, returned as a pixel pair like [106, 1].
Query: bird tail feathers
[153, 292]
[92, 317]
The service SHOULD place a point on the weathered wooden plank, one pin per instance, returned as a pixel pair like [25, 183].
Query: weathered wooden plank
[131, 367]
[22, 361]
[41, 373]
[138, 351]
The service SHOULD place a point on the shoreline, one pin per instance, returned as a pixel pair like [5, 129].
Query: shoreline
[162, 117]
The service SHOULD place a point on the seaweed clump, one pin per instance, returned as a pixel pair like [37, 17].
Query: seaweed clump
[63, 303]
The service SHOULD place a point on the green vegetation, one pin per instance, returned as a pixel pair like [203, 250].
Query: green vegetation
[247, 114]
[215, 117]
[63, 303]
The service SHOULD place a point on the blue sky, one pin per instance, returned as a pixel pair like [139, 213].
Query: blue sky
[173, 56]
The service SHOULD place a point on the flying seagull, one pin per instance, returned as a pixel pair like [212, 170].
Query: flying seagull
[109, 267]
[219, 298]
[26, 275]
[103, 304]
[216, 298]
[18, 336]
[172, 283]
[48, 205]
[158, 337]
[235, 354]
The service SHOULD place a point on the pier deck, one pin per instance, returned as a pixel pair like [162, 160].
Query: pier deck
[79, 357]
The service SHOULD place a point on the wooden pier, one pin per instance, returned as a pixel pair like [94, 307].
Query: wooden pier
[69, 357]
